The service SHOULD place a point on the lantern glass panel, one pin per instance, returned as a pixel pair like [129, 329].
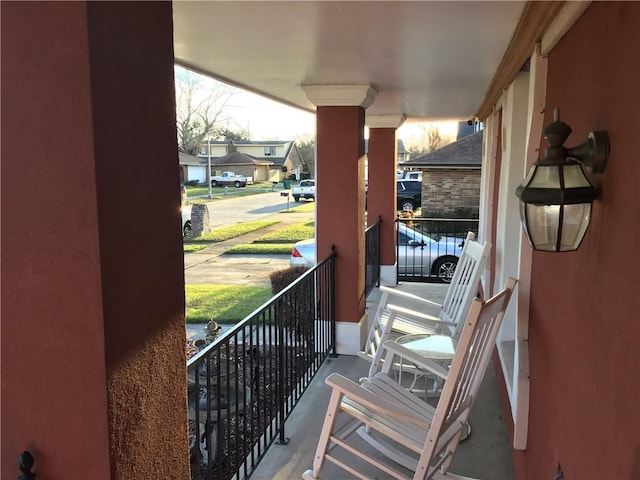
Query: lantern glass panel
[545, 176]
[574, 225]
[542, 226]
[574, 177]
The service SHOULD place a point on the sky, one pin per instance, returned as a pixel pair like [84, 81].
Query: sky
[269, 120]
[266, 119]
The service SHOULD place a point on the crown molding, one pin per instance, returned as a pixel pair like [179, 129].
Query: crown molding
[358, 95]
[384, 121]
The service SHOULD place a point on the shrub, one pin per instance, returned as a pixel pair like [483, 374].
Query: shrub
[296, 314]
[464, 212]
[281, 279]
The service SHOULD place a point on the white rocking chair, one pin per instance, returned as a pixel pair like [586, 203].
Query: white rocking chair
[389, 325]
[404, 428]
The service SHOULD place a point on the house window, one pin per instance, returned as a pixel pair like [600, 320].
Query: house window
[269, 151]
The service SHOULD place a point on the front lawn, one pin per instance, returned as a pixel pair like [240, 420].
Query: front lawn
[261, 249]
[306, 207]
[220, 234]
[219, 193]
[223, 303]
[290, 234]
[193, 247]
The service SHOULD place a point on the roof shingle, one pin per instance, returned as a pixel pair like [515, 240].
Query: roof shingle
[466, 152]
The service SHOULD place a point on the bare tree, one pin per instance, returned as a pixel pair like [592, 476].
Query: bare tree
[230, 135]
[307, 148]
[428, 141]
[434, 138]
[199, 109]
[417, 150]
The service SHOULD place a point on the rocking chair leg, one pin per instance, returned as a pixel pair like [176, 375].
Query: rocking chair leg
[325, 435]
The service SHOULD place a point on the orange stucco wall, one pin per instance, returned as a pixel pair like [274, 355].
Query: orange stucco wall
[92, 344]
[382, 189]
[340, 207]
[584, 325]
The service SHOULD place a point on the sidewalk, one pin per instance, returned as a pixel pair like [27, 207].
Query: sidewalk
[211, 266]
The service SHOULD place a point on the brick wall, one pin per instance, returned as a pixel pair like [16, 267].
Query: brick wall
[444, 190]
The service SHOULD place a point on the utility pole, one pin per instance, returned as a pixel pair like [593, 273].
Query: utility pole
[209, 166]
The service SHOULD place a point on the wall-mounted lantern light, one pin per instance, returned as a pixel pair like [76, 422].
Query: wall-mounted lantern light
[556, 196]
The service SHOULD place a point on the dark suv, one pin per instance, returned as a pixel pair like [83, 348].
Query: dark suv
[409, 194]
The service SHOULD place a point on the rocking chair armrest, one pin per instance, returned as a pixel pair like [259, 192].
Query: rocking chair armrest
[419, 317]
[408, 296]
[418, 360]
[372, 401]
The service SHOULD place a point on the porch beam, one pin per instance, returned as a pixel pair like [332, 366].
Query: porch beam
[534, 22]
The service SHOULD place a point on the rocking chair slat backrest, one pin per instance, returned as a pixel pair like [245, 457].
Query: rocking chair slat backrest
[467, 370]
[464, 283]
[460, 293]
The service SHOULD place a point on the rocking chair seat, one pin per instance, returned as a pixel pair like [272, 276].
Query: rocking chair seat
[436, 347]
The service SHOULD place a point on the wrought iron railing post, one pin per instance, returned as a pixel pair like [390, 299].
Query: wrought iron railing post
[397, 224]
[378, 251]
[281, 314]
[332, 301]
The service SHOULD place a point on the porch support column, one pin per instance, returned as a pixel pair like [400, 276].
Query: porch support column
[93, 332]
[340, 217]
[382, 156]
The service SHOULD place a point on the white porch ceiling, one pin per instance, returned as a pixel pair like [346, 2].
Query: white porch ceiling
[428, 60]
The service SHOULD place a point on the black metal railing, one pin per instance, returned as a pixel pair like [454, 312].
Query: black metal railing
[372, 257]
[428, 248]
[244, 385]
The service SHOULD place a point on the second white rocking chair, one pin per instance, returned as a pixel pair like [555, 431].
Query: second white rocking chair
[397, 423]
[388, 325]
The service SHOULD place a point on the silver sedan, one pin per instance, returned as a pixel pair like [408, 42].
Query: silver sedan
[419, 254]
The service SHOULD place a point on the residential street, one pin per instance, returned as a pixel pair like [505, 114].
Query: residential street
[211, 266]
[246, 209]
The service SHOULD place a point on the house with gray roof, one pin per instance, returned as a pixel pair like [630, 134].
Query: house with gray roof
[451, 177]
[256, 169]
[192, 169]
[263, 161]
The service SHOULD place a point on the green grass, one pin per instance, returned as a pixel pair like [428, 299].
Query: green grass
[220, 193]
[300, 208]
[261, 249]
[223, 303]
[193, 247]
[290, 234]
[196, 191]
[231, 231]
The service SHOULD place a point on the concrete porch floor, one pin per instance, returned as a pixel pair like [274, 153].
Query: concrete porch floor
[486, 454]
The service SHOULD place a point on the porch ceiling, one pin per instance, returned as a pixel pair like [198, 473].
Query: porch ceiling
[428, 60]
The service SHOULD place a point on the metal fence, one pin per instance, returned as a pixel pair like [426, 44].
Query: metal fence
[244, 385]
[372, 257]
[428, 248]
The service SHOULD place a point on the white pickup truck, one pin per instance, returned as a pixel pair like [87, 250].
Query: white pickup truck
[305, 189]
[228, 178]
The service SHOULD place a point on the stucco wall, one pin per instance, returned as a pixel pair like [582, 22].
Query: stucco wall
[584, 327]
[446, 189]
[93, 340]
